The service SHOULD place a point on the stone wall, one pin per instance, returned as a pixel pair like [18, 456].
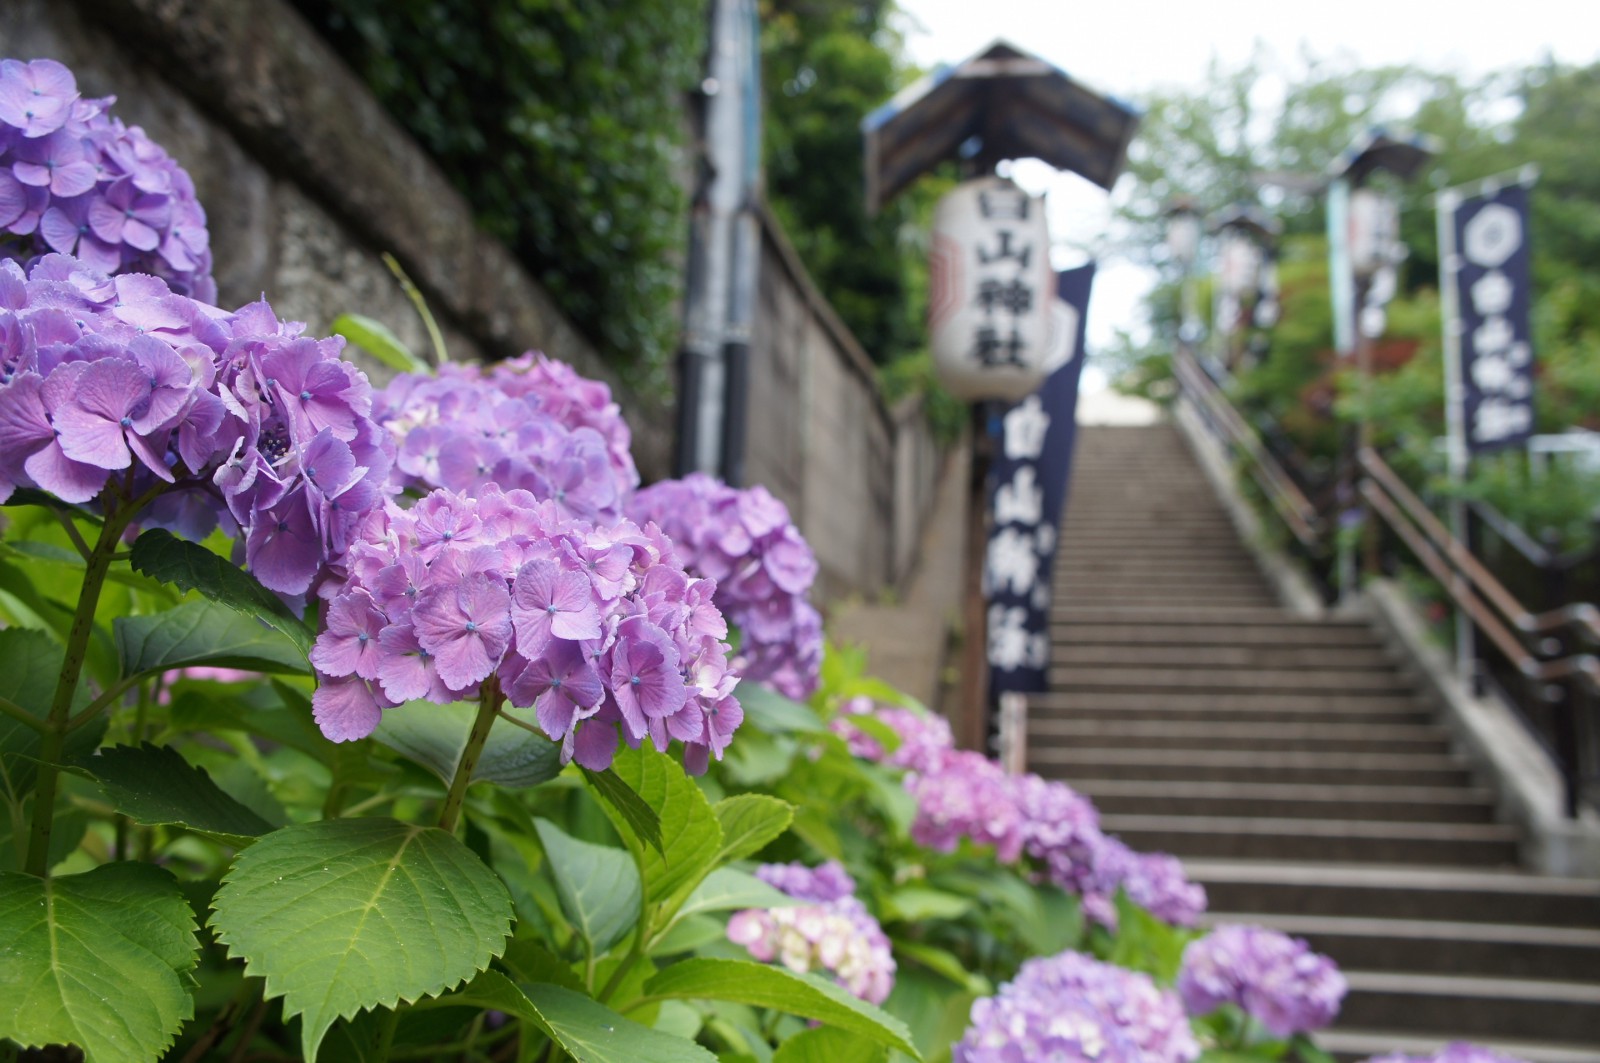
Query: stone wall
[857, 476]
[307, 181]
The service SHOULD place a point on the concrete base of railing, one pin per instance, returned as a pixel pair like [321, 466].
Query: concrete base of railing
[1501, 749]
[1293, 587]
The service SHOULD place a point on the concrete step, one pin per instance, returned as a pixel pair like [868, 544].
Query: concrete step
[1189, 656]
[1432, 946]
[1048, 730]
[1363, 841]
[1469, 1007]
[1351, 1045]
[1068, 629]
[1421, 804]
[1288, 681]
[1340, 769]
[1209, 705]
[1312, 888]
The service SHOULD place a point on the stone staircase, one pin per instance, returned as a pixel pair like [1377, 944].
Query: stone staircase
[1297, 771]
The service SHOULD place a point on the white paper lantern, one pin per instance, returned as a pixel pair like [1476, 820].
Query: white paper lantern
[992, 288]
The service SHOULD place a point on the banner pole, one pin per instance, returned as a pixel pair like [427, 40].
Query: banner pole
[1455, 414]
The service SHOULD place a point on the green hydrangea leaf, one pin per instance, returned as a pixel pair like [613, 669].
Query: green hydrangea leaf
[203, 632]
[690, 835]
[350, 914]
[435, 735]
[749, 822]
[726, 889]
[97, 960]
[189, 566]
[764, 986]
[583, 1027]
[641, 818]
[153, 784]
[30, 664]
[598, 885]
[826, 1044]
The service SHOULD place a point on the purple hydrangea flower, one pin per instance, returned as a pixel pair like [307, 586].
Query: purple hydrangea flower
[963, 796]
[460, 588]
[762, 567]
[1273, 977]
[103, 376]
[833, 933]
[529, 423]
[76, 181]
[1072, 1007]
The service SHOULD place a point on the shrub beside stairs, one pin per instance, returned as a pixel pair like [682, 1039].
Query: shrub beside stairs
[1297, 771]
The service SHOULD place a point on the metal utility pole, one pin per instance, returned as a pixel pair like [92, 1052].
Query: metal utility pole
[724, 250]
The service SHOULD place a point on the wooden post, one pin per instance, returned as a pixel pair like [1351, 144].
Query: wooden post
[972, 723]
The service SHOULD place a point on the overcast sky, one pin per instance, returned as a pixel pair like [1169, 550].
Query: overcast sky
[1131, 47]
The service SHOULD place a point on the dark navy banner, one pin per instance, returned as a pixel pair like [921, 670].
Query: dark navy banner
[1027, 487]
[1491, 279]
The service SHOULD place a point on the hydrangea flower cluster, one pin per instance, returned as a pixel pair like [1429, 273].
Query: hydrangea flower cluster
[595, 626]
[236, 417]
[924, 737]
[1072, 1007]
[1273, 977]
[833, 932]
[1455, 1052]
[529, 423]
[75, 180]
[763, 568]
[964, 795]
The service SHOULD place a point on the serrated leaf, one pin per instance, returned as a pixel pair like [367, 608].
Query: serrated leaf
[203, 632]
[765, 986]
[153, 784]
[690, 834]
[749, 822]
[98, 960]
[583, 1027]
[690, 934]
[825, 1044]
[727, 888]
[349, 914]
[30, 665]
[376, 339]
[769, 711]
[434, 736]
[189, 566]
[598, 886]
[640, 817]
[942, 962]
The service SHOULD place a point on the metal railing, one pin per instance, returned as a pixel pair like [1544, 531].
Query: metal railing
[1279, 488]
[1543, 661]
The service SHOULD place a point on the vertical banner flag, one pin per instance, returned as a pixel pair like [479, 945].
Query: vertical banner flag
[989, 298]
[1488, 270]
[1027, 487]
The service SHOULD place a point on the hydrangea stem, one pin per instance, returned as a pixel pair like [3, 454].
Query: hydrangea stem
[489, 698]
[55, 735]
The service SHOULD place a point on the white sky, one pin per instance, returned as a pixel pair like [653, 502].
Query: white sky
[1130, 47]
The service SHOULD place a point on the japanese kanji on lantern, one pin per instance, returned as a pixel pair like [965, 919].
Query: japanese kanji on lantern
[991, 291]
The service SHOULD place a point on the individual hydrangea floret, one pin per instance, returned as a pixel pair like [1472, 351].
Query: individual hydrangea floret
[120, 384]
[76, 181]
[834, 932]
[1273, 977]
[745, 541]
[529, 423]
[1455, 1052]
[1072, 1007]
[595, 627]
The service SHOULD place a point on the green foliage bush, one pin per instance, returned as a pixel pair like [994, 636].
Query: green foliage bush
[564, 125]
